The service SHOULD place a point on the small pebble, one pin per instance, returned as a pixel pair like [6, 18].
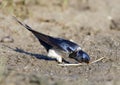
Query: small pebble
[7, 39]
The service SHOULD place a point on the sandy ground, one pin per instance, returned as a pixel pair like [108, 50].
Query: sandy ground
[93, 24]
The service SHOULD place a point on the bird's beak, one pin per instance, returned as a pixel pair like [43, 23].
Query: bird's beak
[88, 62]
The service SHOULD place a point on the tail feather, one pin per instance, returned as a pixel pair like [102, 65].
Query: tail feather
[25, 25]
[37, 34]
[44, 39]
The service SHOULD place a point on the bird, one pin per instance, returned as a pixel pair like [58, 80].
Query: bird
[56, 47]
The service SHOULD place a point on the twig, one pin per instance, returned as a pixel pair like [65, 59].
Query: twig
[97, 60]
[81, 64]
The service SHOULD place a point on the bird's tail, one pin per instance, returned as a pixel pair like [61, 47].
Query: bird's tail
[25, 25]
[40, 36]
[37, 34]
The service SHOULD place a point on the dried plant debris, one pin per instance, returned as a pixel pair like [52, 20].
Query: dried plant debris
[7, 39]
[81, 64]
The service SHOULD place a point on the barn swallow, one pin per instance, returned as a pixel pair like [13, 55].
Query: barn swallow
[58, 46]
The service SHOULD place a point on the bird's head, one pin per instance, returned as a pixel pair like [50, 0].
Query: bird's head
[80, 56]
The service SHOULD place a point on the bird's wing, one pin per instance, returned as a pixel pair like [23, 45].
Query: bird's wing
[50, 42]
[65, 45]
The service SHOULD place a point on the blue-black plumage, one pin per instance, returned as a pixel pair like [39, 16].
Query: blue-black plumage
[57, 45]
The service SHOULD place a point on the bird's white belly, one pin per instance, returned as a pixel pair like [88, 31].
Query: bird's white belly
[55, 54]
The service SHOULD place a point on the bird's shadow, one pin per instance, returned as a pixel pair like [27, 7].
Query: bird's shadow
[38, 56]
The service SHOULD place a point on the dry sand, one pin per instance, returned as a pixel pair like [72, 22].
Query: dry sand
[94, 25]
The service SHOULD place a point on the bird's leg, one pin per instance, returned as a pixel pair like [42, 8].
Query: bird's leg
[59, 59]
